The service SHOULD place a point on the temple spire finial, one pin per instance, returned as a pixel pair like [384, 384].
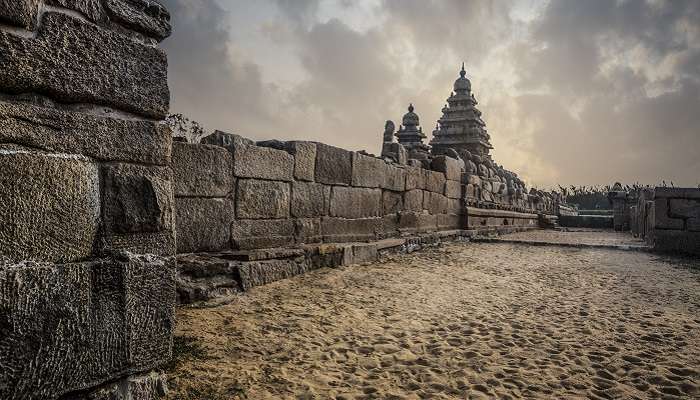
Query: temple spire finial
[463, 71]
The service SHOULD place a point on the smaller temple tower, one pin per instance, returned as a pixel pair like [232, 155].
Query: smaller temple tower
[411, 135]
[461, 126]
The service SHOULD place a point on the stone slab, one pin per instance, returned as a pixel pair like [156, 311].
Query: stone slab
[677, 193]
[257, 273]
[50, 206]
[21, 13]
[262, 163]
[453, 189]
[202, 170]
[662, 220]
[413, 200]
[257, 199]
[352, 202]
[333, 165]
[450, 221]
[304, 159]
[360, 253]
[310, 199]
[73, 61]
[368, 171]
[203, 224]
[449, 166]
[679, 242]
[247, 234]
[415, 178]
[307, 230]
[71, 327]
[392, 202]
[394, 179]
[434, 181]
[338, 230]
[417, 222]
[684, 208]
[102, 138]
[146, 16]
[435, 203]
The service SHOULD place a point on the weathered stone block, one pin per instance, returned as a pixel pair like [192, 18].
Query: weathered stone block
[137, 209]
[684, 242]
[258, 273]
[203, 224]
[392, 202]
[417, 222]
[453, 189]
[91, 9]
[145, 16]
[73, 61]
[49, 206]
[693, 224]
[435, 203]
[395, 179]
[679, 193]
[449, 166]
[351, 202]
[151, 386]
[662, 218]
[333, 165]
[227, 140]
[304, 159]
[454, 206]
[415, 178]
[434, 181]
[202, 170]
[22, 13]
[350, 230]
[308, 230]
[413, 200]
[262, 163]
[258, 234]
[684, 208]
[390, 226]
[310, 199]
[360, 253]
[262, 199]
[71, 327]
[99, 137]
[367, 171]
[396, 152]
[450, 221]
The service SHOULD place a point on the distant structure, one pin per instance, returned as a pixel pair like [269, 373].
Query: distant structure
[461, 126]
[411, 135]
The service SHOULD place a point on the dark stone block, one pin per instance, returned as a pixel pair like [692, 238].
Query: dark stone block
[449, 166]
[352, 202]
[102, 138]
[262, 163]
[202, 170]
[350, 230]
[677, 242]
[417, 222]
[145, 16]
[49, 206]
[22, 13]
[413, 200]
[392, 202]
[70, 327]
[368, 171]
[394, 179]
[72, 61]
[262, 199]
[310, 199]
[257, 234]
[257, 273]
[91, 9]
[203, 224]
[333, 165]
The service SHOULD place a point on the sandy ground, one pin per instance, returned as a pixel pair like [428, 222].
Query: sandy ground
[576, 236]
[463, 321]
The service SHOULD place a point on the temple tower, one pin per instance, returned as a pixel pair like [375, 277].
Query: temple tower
[461, 126]
[411, 136]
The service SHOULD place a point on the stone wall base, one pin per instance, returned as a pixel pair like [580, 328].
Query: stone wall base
[149, 386]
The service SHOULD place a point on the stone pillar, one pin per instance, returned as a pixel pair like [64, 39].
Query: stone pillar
[87, 238]
[620, 210]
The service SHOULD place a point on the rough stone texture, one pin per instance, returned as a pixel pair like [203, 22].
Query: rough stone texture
[257, 273]
[434, 181]
[103, 138]
[435, 203]
[22, 13]
[360, 253]
[586, 221]
[143, 387]
[351, 202]
[449, 221]
[679, 193]
[455, 206]
[350, 230]
[262, 163]
[413, 200]
[137, 209]
[662, 218]
[254, 234]
[145, 16]
[227, 140]
[304, 159]
[415, 178]
[684, 208]
[49, 206]
[91, 9]
[449, 166]
[390, 226]
[308, 230]
[417, 222]
[368, 171]
[392, 202]
[66, 327]
[333, 165]
[310, 199]
[673, 241]
[92, 59]
[453, 189]
[394, 179]
[203, 277]
[203, 224]
[202, 170]
[262, 199]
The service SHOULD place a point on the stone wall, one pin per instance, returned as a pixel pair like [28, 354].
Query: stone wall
[86, 191]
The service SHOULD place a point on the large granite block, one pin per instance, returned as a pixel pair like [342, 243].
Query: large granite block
[351, 202]
[415, 178]
[684, 208]
[49, 205]
[435, 203]
[413, 200]
[249, 234]
[449, 166]
[203, 224]
[146, 16]
[333, 165]
[394, 179]
[262, 199]
[308, 230]
[103, 138]
[304, 159]
[71, 327]
[683, 242]
[91, 9]
[138, 209]
[417, 222]
[310, 199]
[450, 221]
[350, 230]
[678, 193]
[202, 170]
[262, 163]
[368, 171]
[455, 206]
[434, 181]
[73, 61]
[663, 220]
[392, 202]
[22, 13]
[257, 273]
[453, 189]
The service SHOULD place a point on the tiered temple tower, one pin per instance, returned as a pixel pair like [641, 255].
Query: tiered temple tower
[461, 126]
[411, 136]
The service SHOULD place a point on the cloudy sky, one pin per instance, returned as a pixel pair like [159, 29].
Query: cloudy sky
[573, 92]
